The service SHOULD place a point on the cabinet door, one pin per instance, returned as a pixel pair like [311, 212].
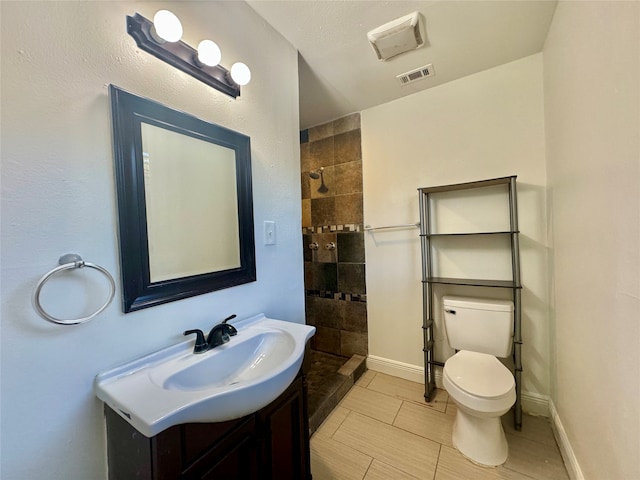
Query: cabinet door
[234, 458]
[285, 436]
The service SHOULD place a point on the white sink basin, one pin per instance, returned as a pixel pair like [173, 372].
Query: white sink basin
[175, 386]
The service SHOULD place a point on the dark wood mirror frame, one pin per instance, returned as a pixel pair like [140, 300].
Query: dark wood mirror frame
[128, 111]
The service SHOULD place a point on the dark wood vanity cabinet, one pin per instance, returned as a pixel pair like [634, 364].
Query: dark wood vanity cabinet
[271, 444]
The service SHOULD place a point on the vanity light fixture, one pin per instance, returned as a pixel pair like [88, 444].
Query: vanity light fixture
[161, 38]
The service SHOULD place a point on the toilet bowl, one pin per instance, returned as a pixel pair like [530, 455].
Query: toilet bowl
[483, 390]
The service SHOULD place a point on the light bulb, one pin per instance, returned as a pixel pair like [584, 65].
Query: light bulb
[167, 26]
[240, 73]
[209, 53]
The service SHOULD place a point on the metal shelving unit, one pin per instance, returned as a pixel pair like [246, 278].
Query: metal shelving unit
[429, 280]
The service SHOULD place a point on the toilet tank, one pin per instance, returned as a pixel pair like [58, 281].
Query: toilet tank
[479, 325]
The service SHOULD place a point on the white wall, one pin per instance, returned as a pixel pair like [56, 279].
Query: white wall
[58, 196]
[592, 114]
[487, 125]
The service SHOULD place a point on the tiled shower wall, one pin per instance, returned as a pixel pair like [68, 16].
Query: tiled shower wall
[334, 278]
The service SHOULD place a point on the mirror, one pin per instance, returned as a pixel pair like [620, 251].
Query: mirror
[185, 203]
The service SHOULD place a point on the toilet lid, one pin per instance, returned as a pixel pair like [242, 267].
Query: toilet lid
[479, 374]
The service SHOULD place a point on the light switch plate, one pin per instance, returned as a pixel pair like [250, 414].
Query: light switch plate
[269, 232]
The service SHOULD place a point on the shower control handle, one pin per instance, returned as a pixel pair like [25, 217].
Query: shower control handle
[330, 246]
[314, 246]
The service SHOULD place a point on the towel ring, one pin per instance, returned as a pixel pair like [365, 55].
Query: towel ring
[68, 262]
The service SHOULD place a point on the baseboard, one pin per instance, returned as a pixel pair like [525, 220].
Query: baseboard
[569, 457]
[532, 403]
[395, 368]
[535, 404]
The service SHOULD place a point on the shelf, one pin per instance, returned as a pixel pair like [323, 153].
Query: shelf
[432, 243]
[473, 282]
[465, 186]
[431, 235]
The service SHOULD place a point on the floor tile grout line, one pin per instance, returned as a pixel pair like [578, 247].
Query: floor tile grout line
[368, 468]
[397, 413]
[395, 468]
[435, 472]
[338, 427]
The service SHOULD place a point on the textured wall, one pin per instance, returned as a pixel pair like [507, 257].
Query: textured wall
[58, 196]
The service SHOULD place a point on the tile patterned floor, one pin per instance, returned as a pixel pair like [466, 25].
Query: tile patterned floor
[383, 430]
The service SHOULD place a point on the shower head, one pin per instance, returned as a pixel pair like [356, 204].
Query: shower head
[317, 174]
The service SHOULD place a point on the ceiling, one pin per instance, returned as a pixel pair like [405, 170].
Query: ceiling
[340, 73]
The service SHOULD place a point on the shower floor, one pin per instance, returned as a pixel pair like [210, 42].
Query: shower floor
[329, 378]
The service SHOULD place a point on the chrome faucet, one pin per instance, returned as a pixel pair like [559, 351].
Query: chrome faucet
[219, 334]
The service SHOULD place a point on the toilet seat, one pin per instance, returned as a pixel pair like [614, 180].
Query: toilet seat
[479, 375]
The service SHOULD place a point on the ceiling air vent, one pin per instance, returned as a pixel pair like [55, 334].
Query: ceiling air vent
[416, 74]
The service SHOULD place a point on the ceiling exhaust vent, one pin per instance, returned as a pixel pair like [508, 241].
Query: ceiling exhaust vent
[416, 74]
[398, 36]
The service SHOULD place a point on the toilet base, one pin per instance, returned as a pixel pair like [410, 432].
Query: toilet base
[480, 439]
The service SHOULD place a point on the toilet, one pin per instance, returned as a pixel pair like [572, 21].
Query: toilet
[482, 388]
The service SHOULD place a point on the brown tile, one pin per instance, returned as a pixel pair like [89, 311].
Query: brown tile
[346, 124]
[324, 277]
[321, 153]
[344, 389]
[307, 253]
[320, 408]
[327, 340]
[304, 157]
[352, 343]
[324, 254]
[347, 147]
[305, 190]
[309, 309]
[355, 317]
[351, 278]
[326, 312]
[321, 131]
[348, 208]
[347, 178]
[308, 276]
[351, 247]
[306, 213]
[323, 211]
[354, 367]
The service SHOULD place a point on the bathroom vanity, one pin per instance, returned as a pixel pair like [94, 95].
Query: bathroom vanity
[272, 443]
[236, 411]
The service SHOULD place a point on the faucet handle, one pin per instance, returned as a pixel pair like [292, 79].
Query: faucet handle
[201, 344]
[230, 329]
[230, 317]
